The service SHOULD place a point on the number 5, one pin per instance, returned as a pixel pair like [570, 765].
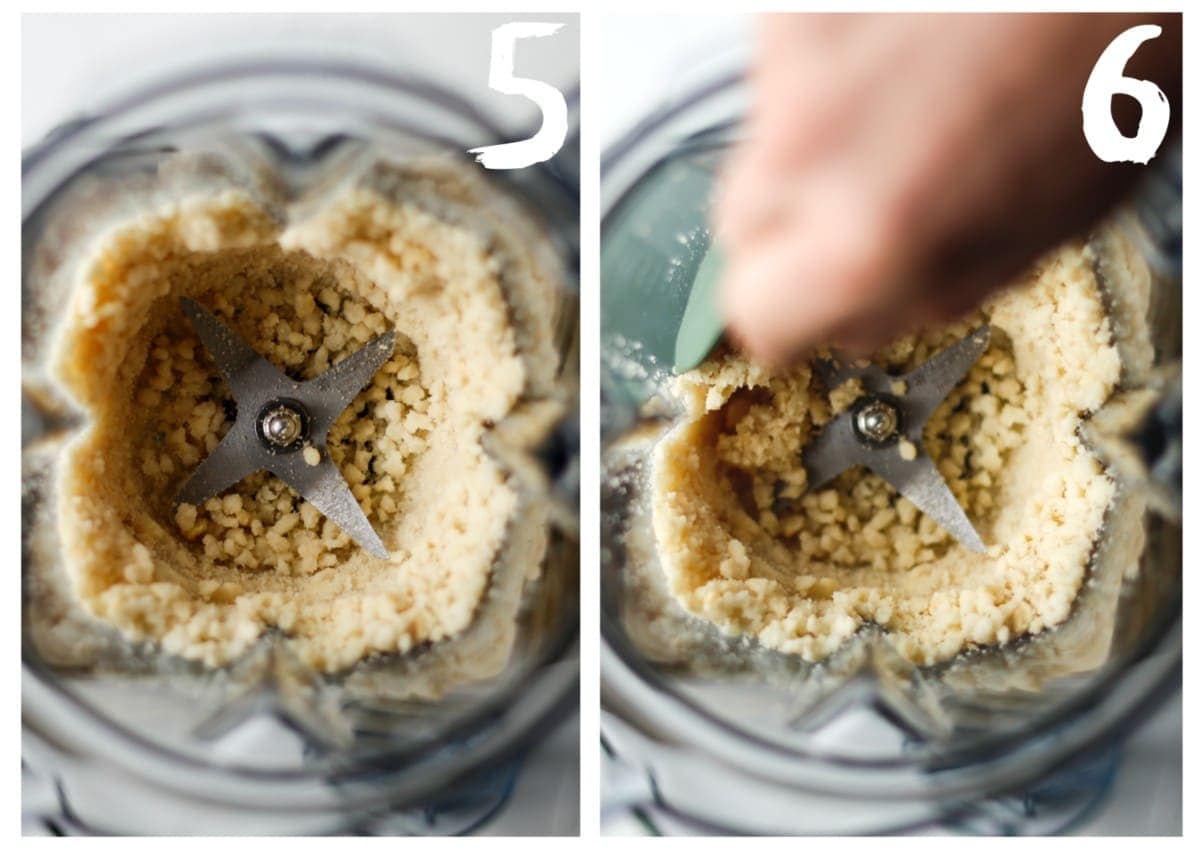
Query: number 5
[1107, 79]
[549, 139]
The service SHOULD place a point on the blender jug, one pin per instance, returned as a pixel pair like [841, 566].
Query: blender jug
[864, 740]
[277, 744]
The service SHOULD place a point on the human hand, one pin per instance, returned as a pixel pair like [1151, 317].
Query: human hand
[898, 168]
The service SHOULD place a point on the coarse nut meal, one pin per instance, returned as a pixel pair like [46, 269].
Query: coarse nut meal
[402, 249]
[745, 545]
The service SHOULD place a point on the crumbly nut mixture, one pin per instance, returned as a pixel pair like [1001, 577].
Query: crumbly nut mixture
[746, 546]
[205, 582]
[299, 318]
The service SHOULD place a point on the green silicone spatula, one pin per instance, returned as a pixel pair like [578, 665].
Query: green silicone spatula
[702, 325]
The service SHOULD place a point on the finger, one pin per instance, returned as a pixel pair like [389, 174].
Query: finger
[750, 206]
[786, 298]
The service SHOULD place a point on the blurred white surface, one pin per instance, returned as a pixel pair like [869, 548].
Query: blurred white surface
[71, 63]
[645, 57]
[1146, 798]
[544, 801]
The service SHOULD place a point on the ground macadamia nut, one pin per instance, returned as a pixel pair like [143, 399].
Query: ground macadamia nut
[205, 582]
[746, 546]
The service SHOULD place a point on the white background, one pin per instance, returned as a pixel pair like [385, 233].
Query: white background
[73, 63]
[646, 58]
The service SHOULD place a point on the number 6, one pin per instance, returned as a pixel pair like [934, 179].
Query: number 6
[549, 139]
[1107, 78]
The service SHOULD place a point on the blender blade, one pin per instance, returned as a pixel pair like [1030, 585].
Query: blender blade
[883, 431]
[282, 425]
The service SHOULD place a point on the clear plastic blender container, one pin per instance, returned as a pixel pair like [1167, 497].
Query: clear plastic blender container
[270, 744]
[733, 736]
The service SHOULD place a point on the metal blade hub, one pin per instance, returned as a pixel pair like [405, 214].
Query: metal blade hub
[876, 421]
[283, 425]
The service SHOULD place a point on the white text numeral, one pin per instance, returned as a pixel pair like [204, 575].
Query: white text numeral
[549, 139]
[1108, 78]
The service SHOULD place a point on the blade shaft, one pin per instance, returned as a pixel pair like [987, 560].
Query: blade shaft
[920, 481]
[928, 385]
[349, 376]
[220, 470]
[833, 451]
[323, 486]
